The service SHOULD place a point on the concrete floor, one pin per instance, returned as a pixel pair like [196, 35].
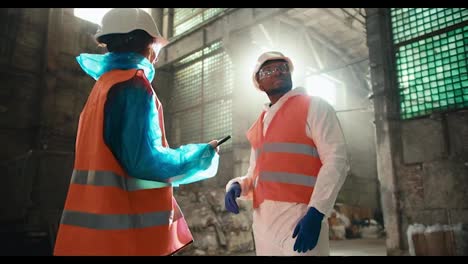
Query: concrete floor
[358, 247]
[351, 247]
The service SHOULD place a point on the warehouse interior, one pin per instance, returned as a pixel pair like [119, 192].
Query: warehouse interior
[396, 77]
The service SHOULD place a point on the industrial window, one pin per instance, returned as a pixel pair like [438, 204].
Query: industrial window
[201, 103]
[188, 18]
[326, 87]
[431, 47]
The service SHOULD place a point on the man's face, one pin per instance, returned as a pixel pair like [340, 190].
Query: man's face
[274, 77]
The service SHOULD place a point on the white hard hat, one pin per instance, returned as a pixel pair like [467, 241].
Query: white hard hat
[126, 20]
[267, 56]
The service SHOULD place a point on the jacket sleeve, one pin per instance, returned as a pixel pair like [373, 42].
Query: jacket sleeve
[132, 132]
[246, 181]
[324, 128]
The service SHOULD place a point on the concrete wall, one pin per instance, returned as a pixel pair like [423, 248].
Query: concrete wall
[22, 63]
[43, 91]
[43, 87]
[422, 163]
[361, 186]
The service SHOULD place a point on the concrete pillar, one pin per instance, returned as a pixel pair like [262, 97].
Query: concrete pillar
[52, 49]
[168, 22]
[383, 86]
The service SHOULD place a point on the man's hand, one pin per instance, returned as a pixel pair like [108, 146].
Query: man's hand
[308, 231]
[230, 198]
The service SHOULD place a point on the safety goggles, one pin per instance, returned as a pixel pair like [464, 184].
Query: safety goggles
[268, 71]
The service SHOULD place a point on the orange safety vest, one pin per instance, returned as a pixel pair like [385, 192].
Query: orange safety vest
[106, 211]
[287, 162]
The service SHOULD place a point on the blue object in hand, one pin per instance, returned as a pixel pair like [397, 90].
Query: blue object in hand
[231, 196]
[308, 231]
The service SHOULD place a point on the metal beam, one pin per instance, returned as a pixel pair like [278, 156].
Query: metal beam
[317, 37]
[354, 17]
[339, 66]
[266, 34]
[314, 51]
[332, 14]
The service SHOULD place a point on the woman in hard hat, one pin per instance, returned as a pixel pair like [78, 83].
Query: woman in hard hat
[298, 164]
[120, 199]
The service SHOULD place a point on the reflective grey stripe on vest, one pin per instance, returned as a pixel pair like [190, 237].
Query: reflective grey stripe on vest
[284, 177]
[107, 178]
[294, 148]
[257, 153]
[117, 221]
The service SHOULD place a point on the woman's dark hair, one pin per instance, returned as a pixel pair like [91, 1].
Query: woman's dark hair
[135, 41]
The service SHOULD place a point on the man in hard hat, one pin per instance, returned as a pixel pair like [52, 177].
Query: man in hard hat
[298, 163]
[120, 200]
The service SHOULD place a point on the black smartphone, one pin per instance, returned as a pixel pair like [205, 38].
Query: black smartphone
[224, 139]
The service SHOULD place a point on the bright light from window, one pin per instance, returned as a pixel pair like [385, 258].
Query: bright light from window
[95, 15]
[318, 85]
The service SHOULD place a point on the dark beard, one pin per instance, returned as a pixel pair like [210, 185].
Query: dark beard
[282, 90]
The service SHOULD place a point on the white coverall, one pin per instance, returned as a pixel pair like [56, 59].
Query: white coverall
[274, 221]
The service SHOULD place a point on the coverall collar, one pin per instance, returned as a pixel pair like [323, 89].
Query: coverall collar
[285, 97]
[95, 65]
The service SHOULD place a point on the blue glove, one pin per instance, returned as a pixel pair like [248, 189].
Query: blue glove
[308, 231]
[230, 198]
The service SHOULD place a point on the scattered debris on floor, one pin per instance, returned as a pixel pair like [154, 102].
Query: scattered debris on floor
[348, 222]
